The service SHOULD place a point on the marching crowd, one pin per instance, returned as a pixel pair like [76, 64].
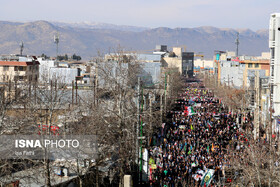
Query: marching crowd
[197, 139]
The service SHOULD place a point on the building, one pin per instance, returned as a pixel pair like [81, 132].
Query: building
[251, 66]
[60, 71]
[274, 45]
[184, 61]
[231, 73]
[201, 65]
[20, 69]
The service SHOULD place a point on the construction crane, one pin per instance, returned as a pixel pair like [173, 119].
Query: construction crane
[184, 47]
[199, 55]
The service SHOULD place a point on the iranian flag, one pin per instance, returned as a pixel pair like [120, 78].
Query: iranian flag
[189, 110]
[209, 125]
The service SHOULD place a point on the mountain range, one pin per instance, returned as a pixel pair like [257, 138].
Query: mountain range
[88, 38]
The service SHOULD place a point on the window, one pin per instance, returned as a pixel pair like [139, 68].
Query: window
[6, 68]
[257, 65]
[21, 68]
[16, 68]
[250, 65]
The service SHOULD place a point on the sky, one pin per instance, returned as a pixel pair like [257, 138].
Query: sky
[252, 14]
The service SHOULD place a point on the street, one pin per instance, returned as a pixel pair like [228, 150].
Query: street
[193, 149]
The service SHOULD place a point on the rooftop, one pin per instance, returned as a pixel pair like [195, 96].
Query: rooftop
[262, 61]
[17, 63]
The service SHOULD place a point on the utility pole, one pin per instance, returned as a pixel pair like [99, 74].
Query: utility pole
[237, 43]
[270, 133]
[141, 136]
[138, 124]
[257, 108]
[73, 93]
[165, 91]
[21, 47]
[96, 85]
[56, 41]
[150, 118]
[161, 109]
[76, 87]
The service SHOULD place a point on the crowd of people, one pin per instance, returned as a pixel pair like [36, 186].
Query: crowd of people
[195, 141]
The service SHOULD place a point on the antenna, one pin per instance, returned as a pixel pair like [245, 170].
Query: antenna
[56, 41]
[237, 43]
[21, 47]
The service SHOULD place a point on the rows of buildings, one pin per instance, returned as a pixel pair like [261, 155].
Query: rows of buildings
[37, 69]
[259, 76]
[77, 80]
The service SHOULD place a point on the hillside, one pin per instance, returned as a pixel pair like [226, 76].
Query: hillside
[87, 40]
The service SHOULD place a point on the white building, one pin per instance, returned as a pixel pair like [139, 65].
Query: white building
[49, 70]
[274, 45]
[204, 63]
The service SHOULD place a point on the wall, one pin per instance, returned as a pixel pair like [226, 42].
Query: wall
[231, 74]
[274, 45]
[174, 62]
[207, 63]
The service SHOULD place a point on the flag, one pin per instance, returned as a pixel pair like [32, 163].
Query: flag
[212, 149]
[207, 177]
[185, 111]
[209, 125]
[208, 148]
[151, 161]
[192, 127]
[189, 110]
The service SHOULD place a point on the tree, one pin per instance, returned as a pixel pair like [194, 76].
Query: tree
[255, 163]
[44, 56]
[76, 57]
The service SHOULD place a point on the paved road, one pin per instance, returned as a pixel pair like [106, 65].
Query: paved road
[193, 148]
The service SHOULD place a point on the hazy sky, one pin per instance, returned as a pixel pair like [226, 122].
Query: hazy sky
[253, 14]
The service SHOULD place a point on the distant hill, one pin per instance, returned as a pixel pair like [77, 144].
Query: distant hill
[86, 39]
[96, 25]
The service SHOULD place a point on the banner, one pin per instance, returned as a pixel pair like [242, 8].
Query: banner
[207, 177]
